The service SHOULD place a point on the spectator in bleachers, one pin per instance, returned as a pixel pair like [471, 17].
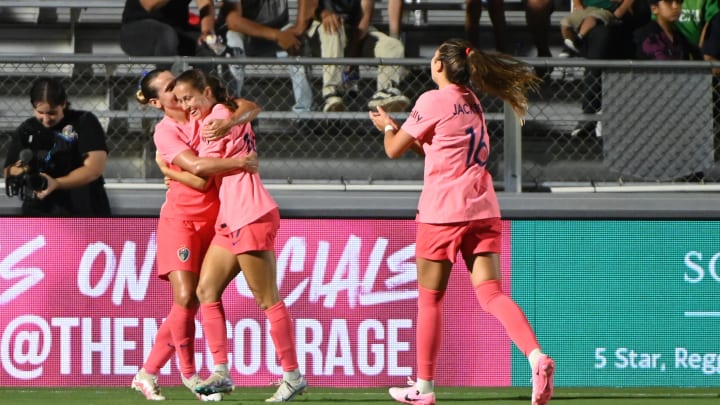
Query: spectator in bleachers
[586, 15]
[473, 12]
[700, 23]
[614, 41]
[661, 39]
[342, 28]
[163, 28]
[56, 159]
[260, 28]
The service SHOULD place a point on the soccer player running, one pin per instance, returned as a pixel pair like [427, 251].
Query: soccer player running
[458, 210]
[246, 228]
[185, 229]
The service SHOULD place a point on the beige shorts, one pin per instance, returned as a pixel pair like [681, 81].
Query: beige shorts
[574, 19]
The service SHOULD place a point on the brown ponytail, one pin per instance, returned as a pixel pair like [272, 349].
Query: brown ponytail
[496, 74]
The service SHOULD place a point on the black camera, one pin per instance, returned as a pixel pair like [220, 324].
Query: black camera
[25, 185]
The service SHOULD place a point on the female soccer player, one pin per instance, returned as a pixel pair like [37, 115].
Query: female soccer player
[458, 210]
[185, 229]
[246, 227]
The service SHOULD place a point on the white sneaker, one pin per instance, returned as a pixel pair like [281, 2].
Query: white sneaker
[333, 103]
[148, 385]
[287, 390]
[216, 383]
[571, 45]
[411, 395]
[391, 100]
[192, 382]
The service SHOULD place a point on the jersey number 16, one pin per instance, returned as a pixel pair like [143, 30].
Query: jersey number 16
[478, 150]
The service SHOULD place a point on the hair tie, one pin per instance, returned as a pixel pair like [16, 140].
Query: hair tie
[467, 51]
[142, 76]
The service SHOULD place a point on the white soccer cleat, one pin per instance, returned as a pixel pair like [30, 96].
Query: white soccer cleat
[216, 383]
[542, 380]
[287, 390]
[148, 385]
[411, 395]
[192, 382]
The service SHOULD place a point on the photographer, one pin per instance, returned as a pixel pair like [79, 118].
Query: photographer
[56, 159]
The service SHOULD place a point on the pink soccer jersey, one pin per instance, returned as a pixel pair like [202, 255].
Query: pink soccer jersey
[172, 138]
[243, 197]
[450, 125]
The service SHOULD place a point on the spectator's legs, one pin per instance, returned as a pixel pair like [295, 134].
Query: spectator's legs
[596, 45]
[537, 15]
[473, 12]
[389, 48]
[711, 43]
[566, 30]
[387, 96]
[587, 24]
[298, 75]
[496, 10]
[301, 88]
[395, 10]
[236, 42]
[300, 84]
[188, 45]
[332, 45]
[149, 38]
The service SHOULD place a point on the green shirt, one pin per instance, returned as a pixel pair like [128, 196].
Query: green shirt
[695, 14]
[606, 4]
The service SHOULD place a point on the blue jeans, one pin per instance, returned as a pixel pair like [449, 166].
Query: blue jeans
[298, 74]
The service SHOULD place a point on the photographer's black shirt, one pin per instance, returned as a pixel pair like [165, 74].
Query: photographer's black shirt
[57, 151]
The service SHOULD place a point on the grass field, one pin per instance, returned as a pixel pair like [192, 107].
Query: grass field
[328, 396]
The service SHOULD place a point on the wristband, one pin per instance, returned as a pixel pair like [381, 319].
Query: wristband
[389, 127]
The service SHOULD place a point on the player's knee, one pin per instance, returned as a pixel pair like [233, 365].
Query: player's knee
[186, 299]
[486, 292]
[207, 293]
[267, 300]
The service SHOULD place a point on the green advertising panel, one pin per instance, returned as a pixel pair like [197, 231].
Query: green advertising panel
[621, 303]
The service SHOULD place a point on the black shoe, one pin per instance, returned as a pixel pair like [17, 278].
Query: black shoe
[585, 128]
[697, 177]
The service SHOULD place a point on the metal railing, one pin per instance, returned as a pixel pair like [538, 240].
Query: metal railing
[592, 123]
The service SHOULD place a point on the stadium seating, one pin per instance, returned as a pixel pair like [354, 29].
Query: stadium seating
[90, 28]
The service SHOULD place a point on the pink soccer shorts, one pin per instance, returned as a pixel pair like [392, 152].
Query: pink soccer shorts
[181, 244]
[444, 241]
[258, 235]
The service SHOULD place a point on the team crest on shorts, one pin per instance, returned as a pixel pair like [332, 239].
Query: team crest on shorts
[183, 254]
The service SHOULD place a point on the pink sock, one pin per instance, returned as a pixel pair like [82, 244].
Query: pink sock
[162, 350]
[283, 335]
[182, 327]
[493, 300]
[429, 331]
[213, 322]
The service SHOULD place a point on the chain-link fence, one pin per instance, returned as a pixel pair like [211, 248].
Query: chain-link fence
[591, 122]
